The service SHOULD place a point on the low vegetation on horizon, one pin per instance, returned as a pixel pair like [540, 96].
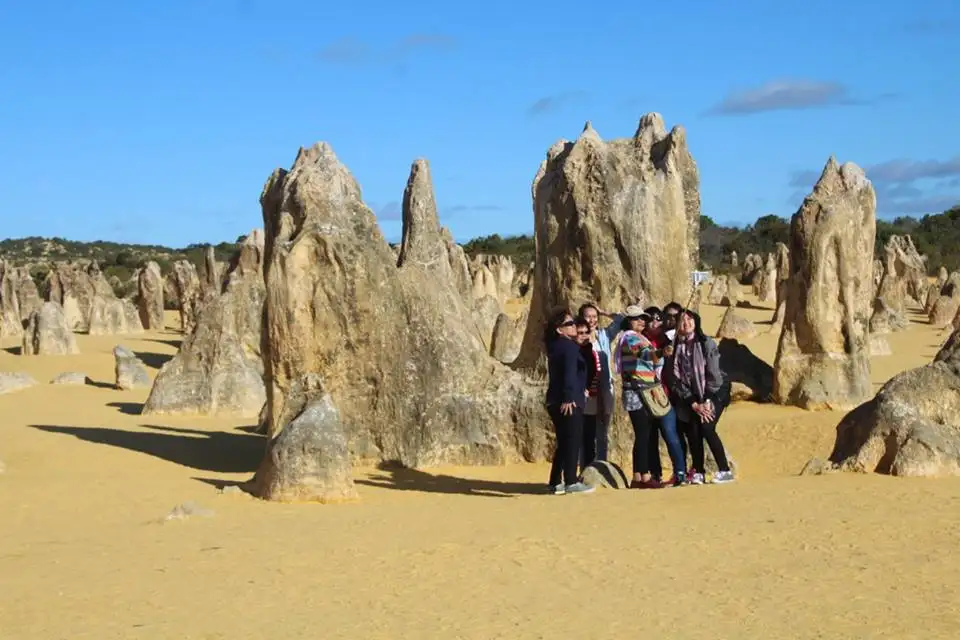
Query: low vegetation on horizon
[936, 236]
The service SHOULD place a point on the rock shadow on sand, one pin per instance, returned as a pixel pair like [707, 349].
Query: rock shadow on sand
[154, 360]
[213, 451]
[400, 478]
[127, 408]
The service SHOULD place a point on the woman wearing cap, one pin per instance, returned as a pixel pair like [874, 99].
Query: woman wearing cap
[566, 397]
[701, 391]
[636, 361]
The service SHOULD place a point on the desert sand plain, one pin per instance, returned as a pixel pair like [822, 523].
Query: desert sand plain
[453, 552]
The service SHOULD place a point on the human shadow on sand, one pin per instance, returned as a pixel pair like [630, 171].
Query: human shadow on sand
[214, 451]
[394, 476]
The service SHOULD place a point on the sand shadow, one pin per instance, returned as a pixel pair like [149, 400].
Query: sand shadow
[128, 408]
[170, 343]
[14, 351]
[100, 385]
[154, 360]
[399, 478]
[743, 366]
[213, 451]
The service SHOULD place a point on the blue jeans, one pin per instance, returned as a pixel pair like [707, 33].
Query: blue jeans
[646, 457]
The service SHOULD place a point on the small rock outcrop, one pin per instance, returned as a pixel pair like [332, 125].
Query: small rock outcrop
[150, 297]
[912, 426]
[11, 322]
[823, 358]
[735, 326]
[310, 460]
[948, 302]
[219, 368]
[615, 221]
[904, 275]
[48, 334]
[386, 347]
[604, 474]
[113, 316]
[129, 370]
[74, 288]
[15, 381]
[70, 378]
[782, 259]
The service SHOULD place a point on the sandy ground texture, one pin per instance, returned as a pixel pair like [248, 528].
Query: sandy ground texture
[86, 551]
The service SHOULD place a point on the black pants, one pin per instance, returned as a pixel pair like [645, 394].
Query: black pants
[642, 426]
[569, 430]
[588, 453]
[697, 431]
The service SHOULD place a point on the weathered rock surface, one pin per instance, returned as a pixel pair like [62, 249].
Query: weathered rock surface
[150, 297]
[74, 288]
[615, 221]
[507, 337]
[113, 316]
[11, 323]
[767, 288]
[15, 381]
[186, 284]
[734, 260]
[879, 345]
[733, 325]
[933, 293]
[388, 346]
[948, 303]
[129, 370]
[912, 426]
[310, 460]
[607, 475]
[219, 368]
[492, 276]
[70, 378]
[48, 334]
[782, 259]
[718, 289]
[823, 358]
[904, 274]
[885, 319]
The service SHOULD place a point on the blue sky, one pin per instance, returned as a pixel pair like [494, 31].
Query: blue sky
[159, 122]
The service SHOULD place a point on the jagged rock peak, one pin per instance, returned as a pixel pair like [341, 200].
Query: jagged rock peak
[421, 225]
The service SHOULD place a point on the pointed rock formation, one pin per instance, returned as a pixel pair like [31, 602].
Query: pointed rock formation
[385, 347]
[823, 358]
[129, 370]
[113, 316]
[48, 334]
[186, 283]
[904, 275]
[912, 426]
[614, 222]
[219, 368]
[11, 322]
[735, 326]
[150, 297]
[507, 337]
[74, 288]
[767, 289]
[782, 259]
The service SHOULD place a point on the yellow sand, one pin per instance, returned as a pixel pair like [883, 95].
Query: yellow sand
[453, 552]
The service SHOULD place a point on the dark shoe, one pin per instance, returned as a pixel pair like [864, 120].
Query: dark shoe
[652, 483]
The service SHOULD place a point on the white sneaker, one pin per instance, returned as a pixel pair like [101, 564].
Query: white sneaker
[579, 487]
[697, 478]
[558, 490]
[722, 477]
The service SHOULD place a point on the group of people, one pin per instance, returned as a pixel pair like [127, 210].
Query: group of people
[672, 386]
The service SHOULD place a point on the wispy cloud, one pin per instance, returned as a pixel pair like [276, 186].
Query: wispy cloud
[931, 27]
[781, 95]
[551, 103]
[350, 51]
[901, 170]
[469, 208]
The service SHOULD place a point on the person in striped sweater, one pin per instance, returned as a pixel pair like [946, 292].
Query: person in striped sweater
[637, 361]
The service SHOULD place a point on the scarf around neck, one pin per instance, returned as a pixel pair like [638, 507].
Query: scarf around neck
[690, 365]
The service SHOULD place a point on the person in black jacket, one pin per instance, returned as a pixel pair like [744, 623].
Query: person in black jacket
[702, 391]
[598, 383]
[566, 397]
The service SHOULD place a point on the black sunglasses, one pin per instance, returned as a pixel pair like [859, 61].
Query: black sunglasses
[568, 323]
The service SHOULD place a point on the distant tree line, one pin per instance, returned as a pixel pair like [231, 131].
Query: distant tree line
[936, 236]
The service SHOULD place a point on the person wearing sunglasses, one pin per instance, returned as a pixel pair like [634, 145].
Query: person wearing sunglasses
[598, 380]
[654, 331]
[566, 397]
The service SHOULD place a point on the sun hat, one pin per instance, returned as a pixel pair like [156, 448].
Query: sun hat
[634, 311]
